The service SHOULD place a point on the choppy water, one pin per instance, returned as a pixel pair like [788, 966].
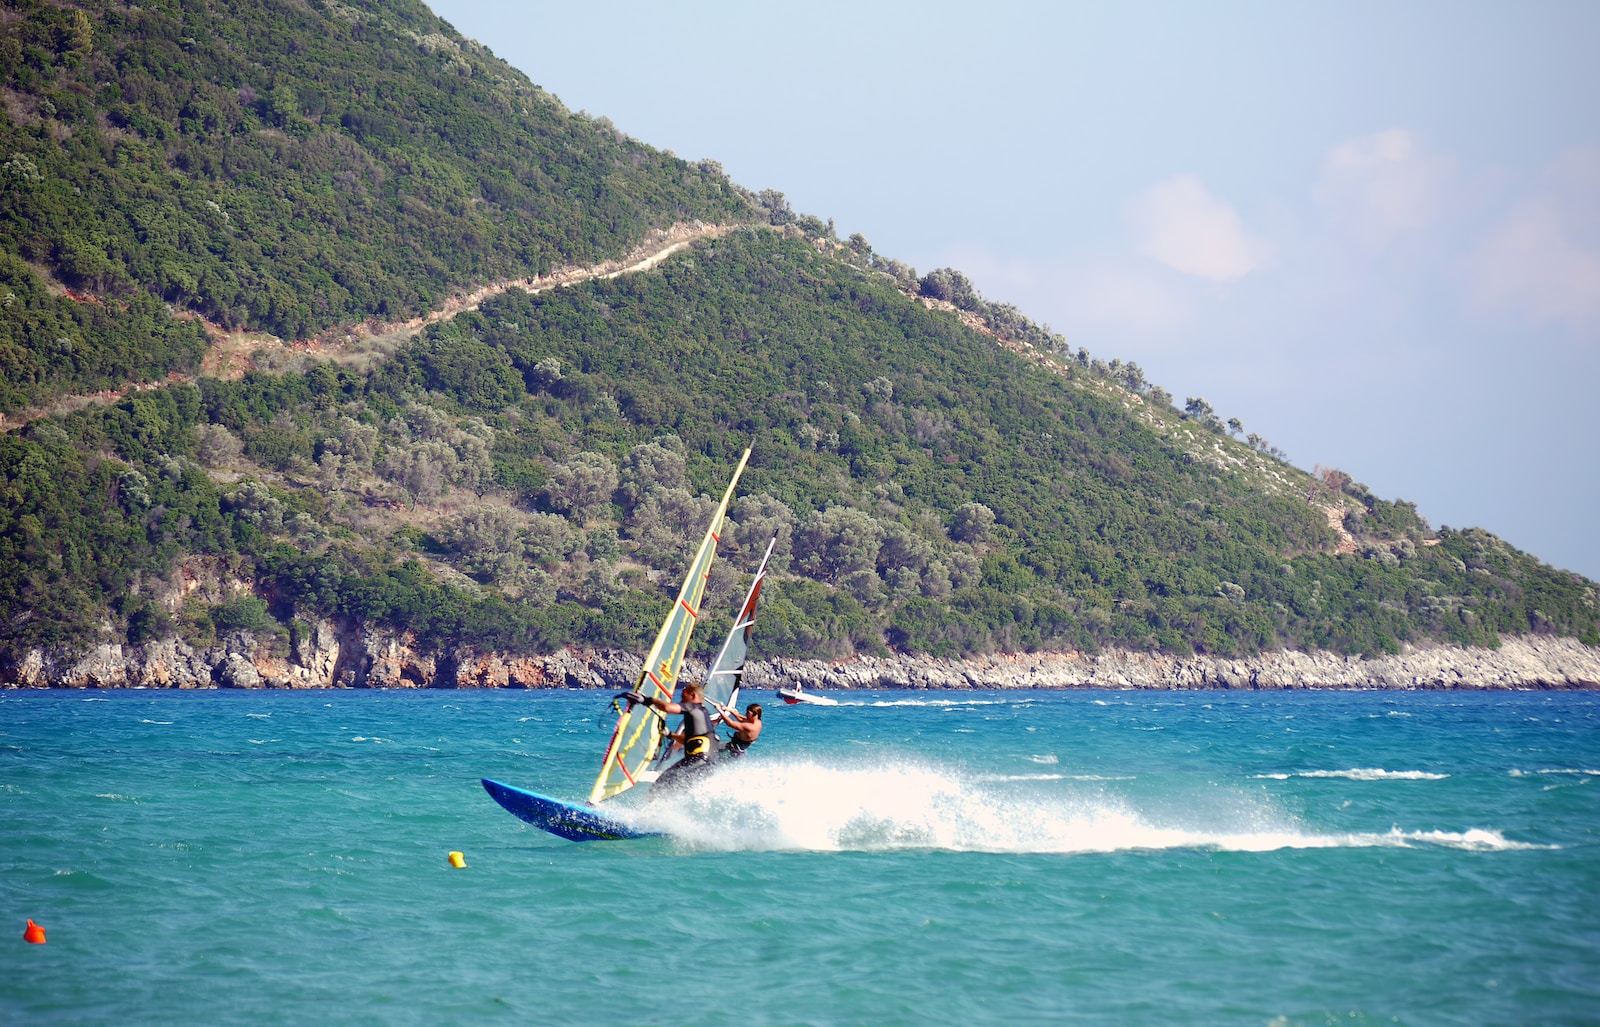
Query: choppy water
[1095, 857]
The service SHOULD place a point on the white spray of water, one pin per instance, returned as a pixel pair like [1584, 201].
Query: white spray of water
[1361, 774]
[806, 806]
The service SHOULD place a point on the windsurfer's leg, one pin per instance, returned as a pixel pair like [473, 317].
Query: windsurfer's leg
[681, 773]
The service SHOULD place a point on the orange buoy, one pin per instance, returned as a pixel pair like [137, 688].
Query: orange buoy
[34, 934]
[456, 860]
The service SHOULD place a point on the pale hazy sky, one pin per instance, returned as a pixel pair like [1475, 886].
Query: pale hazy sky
[1371, 231]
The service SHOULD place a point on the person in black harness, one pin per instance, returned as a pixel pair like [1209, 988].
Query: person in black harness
[697, 737]
[746, 729]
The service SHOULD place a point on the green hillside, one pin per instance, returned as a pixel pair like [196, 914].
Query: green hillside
[288, 167]
[537, 473]
[943, 478]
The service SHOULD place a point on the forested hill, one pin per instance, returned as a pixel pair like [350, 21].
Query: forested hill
[942, 476]
[538, 472]
[284, 166]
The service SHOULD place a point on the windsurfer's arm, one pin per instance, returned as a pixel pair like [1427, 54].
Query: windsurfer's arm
[652, 701]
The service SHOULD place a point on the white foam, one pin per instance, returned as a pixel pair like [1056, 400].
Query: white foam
[259, 716]
[164, 723]
[807, 806]
[1048, 759]
[1531, 773]
[929, 702]
[1475, 839]
[1360, 774]
[1024, 777]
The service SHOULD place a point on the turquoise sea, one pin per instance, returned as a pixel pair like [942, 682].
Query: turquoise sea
[1084, 857]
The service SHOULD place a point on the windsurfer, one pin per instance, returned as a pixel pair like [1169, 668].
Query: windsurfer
[696, 734]
[746, 729]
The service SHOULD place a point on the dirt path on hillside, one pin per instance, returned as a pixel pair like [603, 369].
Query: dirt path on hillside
[657, 247]
[232, 353]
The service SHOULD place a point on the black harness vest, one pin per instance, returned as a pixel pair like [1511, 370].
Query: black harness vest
[697, 737]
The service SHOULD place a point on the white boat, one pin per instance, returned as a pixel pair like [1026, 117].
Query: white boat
[798, 696]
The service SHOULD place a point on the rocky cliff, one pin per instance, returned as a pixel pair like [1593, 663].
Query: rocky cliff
[351, 656]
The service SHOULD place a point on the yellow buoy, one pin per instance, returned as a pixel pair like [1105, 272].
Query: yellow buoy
[457, 860]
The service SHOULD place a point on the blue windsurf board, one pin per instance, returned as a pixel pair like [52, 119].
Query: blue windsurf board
[561, 818]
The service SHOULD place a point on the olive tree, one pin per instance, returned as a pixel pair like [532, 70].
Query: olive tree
[486, 540]
[755, 519]
[973, 522]
[661, 464]
[666, 526]
[837, 543]
[579, 487]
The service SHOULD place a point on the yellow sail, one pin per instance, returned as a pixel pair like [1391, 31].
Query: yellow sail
[639, 729]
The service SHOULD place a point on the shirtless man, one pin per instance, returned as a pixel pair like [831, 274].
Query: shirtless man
[746, 729]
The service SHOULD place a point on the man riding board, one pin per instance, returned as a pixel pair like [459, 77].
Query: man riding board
[696, 734]
[746, 729]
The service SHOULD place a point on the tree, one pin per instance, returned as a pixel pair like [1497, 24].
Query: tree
[1332, 481]
[952, 286]
[972, 523]
[814, 227]
[285, 105]
[581, 485]
[837, 543]
[1201, 411]
[666, 526]
[756, 519]
[1235, 426]
[776, 206]
[548, 539]
[423, 469]
[219, 447]
[661, 464]
[485, 537]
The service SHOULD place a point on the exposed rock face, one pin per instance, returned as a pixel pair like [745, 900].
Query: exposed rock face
[352, 656]
[1526, 662]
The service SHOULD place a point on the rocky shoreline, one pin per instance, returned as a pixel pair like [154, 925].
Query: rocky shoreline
[351, 656]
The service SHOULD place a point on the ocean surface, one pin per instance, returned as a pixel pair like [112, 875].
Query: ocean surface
[1081, 857]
